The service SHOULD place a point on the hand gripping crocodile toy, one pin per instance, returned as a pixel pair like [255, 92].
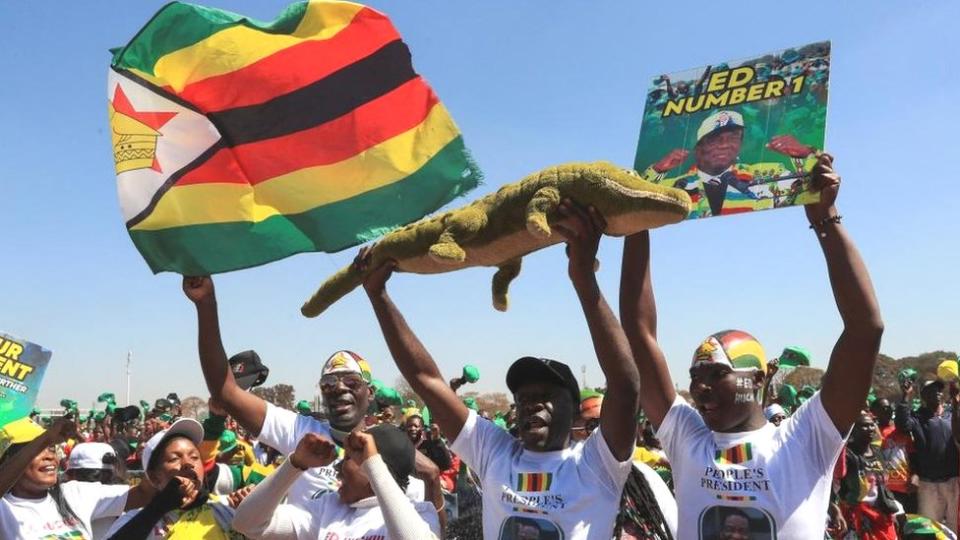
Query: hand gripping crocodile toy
[500, 228]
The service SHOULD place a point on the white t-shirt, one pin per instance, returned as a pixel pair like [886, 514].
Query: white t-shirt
[777, 478]
[38, 518]
[327, 517]
[282, 429]
[570, 494]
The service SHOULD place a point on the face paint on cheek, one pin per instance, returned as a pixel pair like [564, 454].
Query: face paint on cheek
[745, 390]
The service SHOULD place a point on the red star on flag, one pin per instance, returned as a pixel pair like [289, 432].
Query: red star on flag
[153, 119]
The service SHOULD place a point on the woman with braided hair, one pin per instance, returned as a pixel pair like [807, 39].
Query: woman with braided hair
[647, 508]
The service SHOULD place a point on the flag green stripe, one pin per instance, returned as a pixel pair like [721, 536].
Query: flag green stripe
[180, 25]
[221, 247]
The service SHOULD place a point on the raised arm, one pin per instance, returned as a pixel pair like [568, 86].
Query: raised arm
[847, 380]
[261, 514]
[13, 467]
[638, 315]
[769, 396]
[582, 229]
[247, 408]
[411, 357]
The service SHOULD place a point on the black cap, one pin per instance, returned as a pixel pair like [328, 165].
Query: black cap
[126, 414]
[172, 397]
[396, 450]
[248, 370]
[531, 369]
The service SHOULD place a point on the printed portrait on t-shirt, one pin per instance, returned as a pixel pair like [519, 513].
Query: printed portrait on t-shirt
[529, 528]
[733, 523]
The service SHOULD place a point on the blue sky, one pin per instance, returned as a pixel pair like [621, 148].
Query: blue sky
[530, 84]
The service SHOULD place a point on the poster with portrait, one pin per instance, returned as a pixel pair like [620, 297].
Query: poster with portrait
[22, 365]
[738, 136]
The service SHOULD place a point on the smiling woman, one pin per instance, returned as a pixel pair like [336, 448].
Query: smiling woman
[37, 504]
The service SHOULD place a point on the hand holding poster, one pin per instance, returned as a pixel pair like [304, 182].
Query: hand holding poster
[22, 365]
[738, 136]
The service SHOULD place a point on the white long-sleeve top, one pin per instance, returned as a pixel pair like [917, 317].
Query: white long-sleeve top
[389, 513]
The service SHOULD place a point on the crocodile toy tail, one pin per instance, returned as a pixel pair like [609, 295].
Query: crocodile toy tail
[333, 289]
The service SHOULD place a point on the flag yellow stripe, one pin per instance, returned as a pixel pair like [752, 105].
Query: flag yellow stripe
[307, 188]
[208, 58]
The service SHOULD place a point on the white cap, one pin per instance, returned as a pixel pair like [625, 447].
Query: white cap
[773, 410]
[89, 455]
[188, 427]
[717, 121]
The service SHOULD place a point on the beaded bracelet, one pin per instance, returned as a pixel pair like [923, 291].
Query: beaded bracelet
[823, 223]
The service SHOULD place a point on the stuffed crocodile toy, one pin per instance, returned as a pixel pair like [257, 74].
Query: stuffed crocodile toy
[499, 229]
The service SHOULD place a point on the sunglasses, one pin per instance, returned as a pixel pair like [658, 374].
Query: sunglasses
[328, 383]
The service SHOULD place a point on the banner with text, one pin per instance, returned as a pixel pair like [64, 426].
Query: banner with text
[22, 365]
[738, 136]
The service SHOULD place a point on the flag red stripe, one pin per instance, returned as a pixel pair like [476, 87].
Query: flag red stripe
[370, 124]
[294, 67]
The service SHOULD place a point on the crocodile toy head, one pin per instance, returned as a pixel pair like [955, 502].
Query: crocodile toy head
[628, 203]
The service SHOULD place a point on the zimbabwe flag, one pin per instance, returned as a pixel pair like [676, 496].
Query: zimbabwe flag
[239, 142]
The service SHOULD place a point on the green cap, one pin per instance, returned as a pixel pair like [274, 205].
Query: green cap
[99, 416]
[303, 407]
[922, 526]
[471, 374]
[68, 404]
[107, 397]
[500, 423]
[906, 374]
[808, 391]
[471, 403]
[110, 408]
[588, 393]
[388, 396]
[228, 441]
[788, 396]
[793, 356]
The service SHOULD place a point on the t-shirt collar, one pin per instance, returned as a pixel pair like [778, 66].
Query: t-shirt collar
[725, 440]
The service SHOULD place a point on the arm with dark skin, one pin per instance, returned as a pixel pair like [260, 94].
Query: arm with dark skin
[249, 410]
[769, 397]
[903, 418]
[171, 497]
[582, 229]
[638, 315]
[411, 357]
[13, 468]
[847, 380]
[428, 471]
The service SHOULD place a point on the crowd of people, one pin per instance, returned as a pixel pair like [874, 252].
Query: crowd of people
[739, 458]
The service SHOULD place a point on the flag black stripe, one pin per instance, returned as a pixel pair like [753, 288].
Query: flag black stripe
[326, 99]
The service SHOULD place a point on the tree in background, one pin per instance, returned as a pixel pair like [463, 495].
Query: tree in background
[193, 407]
[281, 395]
[491, 402]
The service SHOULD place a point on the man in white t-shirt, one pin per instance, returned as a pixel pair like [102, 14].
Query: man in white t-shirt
[540, 484]
[344, 385]
[727, 459]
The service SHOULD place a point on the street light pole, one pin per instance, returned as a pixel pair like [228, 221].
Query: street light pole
[129, 357]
